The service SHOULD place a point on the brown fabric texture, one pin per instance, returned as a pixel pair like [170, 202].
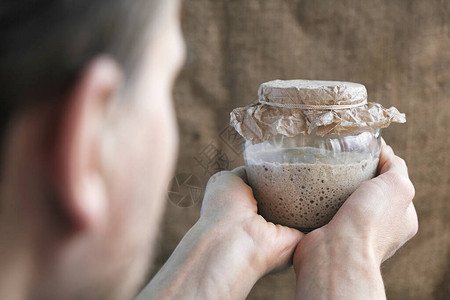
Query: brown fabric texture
[398, 49]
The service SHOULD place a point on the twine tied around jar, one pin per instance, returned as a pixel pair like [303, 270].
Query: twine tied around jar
[313, 107]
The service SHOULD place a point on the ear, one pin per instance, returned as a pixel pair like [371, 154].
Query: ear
[78, 167]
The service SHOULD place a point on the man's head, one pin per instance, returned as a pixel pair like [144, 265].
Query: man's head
[89, 142]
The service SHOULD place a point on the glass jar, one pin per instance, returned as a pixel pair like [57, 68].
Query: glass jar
[309, 145]
[302, 181]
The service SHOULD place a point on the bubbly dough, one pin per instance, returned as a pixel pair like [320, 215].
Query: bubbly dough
[305, 196]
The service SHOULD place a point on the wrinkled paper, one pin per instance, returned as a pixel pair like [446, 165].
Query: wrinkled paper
[260, 122]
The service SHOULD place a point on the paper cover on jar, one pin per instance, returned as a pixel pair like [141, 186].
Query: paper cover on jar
[292, 107]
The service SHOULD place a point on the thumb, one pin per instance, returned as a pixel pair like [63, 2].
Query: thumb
[241, 172]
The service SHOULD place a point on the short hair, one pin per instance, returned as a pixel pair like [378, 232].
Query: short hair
[45, 44]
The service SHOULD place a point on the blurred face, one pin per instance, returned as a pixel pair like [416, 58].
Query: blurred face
[139, 150]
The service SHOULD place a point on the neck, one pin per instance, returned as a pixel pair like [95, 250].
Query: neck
[16, 260]
[19, 205]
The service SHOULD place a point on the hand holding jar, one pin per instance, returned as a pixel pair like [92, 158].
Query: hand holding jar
[309, 145]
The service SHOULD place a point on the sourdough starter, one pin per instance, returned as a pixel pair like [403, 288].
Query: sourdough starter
[306, 195]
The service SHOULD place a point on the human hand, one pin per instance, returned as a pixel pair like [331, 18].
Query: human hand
[227, 250]
[229, 203]
[342, 259]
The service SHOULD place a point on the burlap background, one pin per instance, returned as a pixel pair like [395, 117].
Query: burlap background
[399, 49]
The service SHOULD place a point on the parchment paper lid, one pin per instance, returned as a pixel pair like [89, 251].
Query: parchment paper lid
[292, 107]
